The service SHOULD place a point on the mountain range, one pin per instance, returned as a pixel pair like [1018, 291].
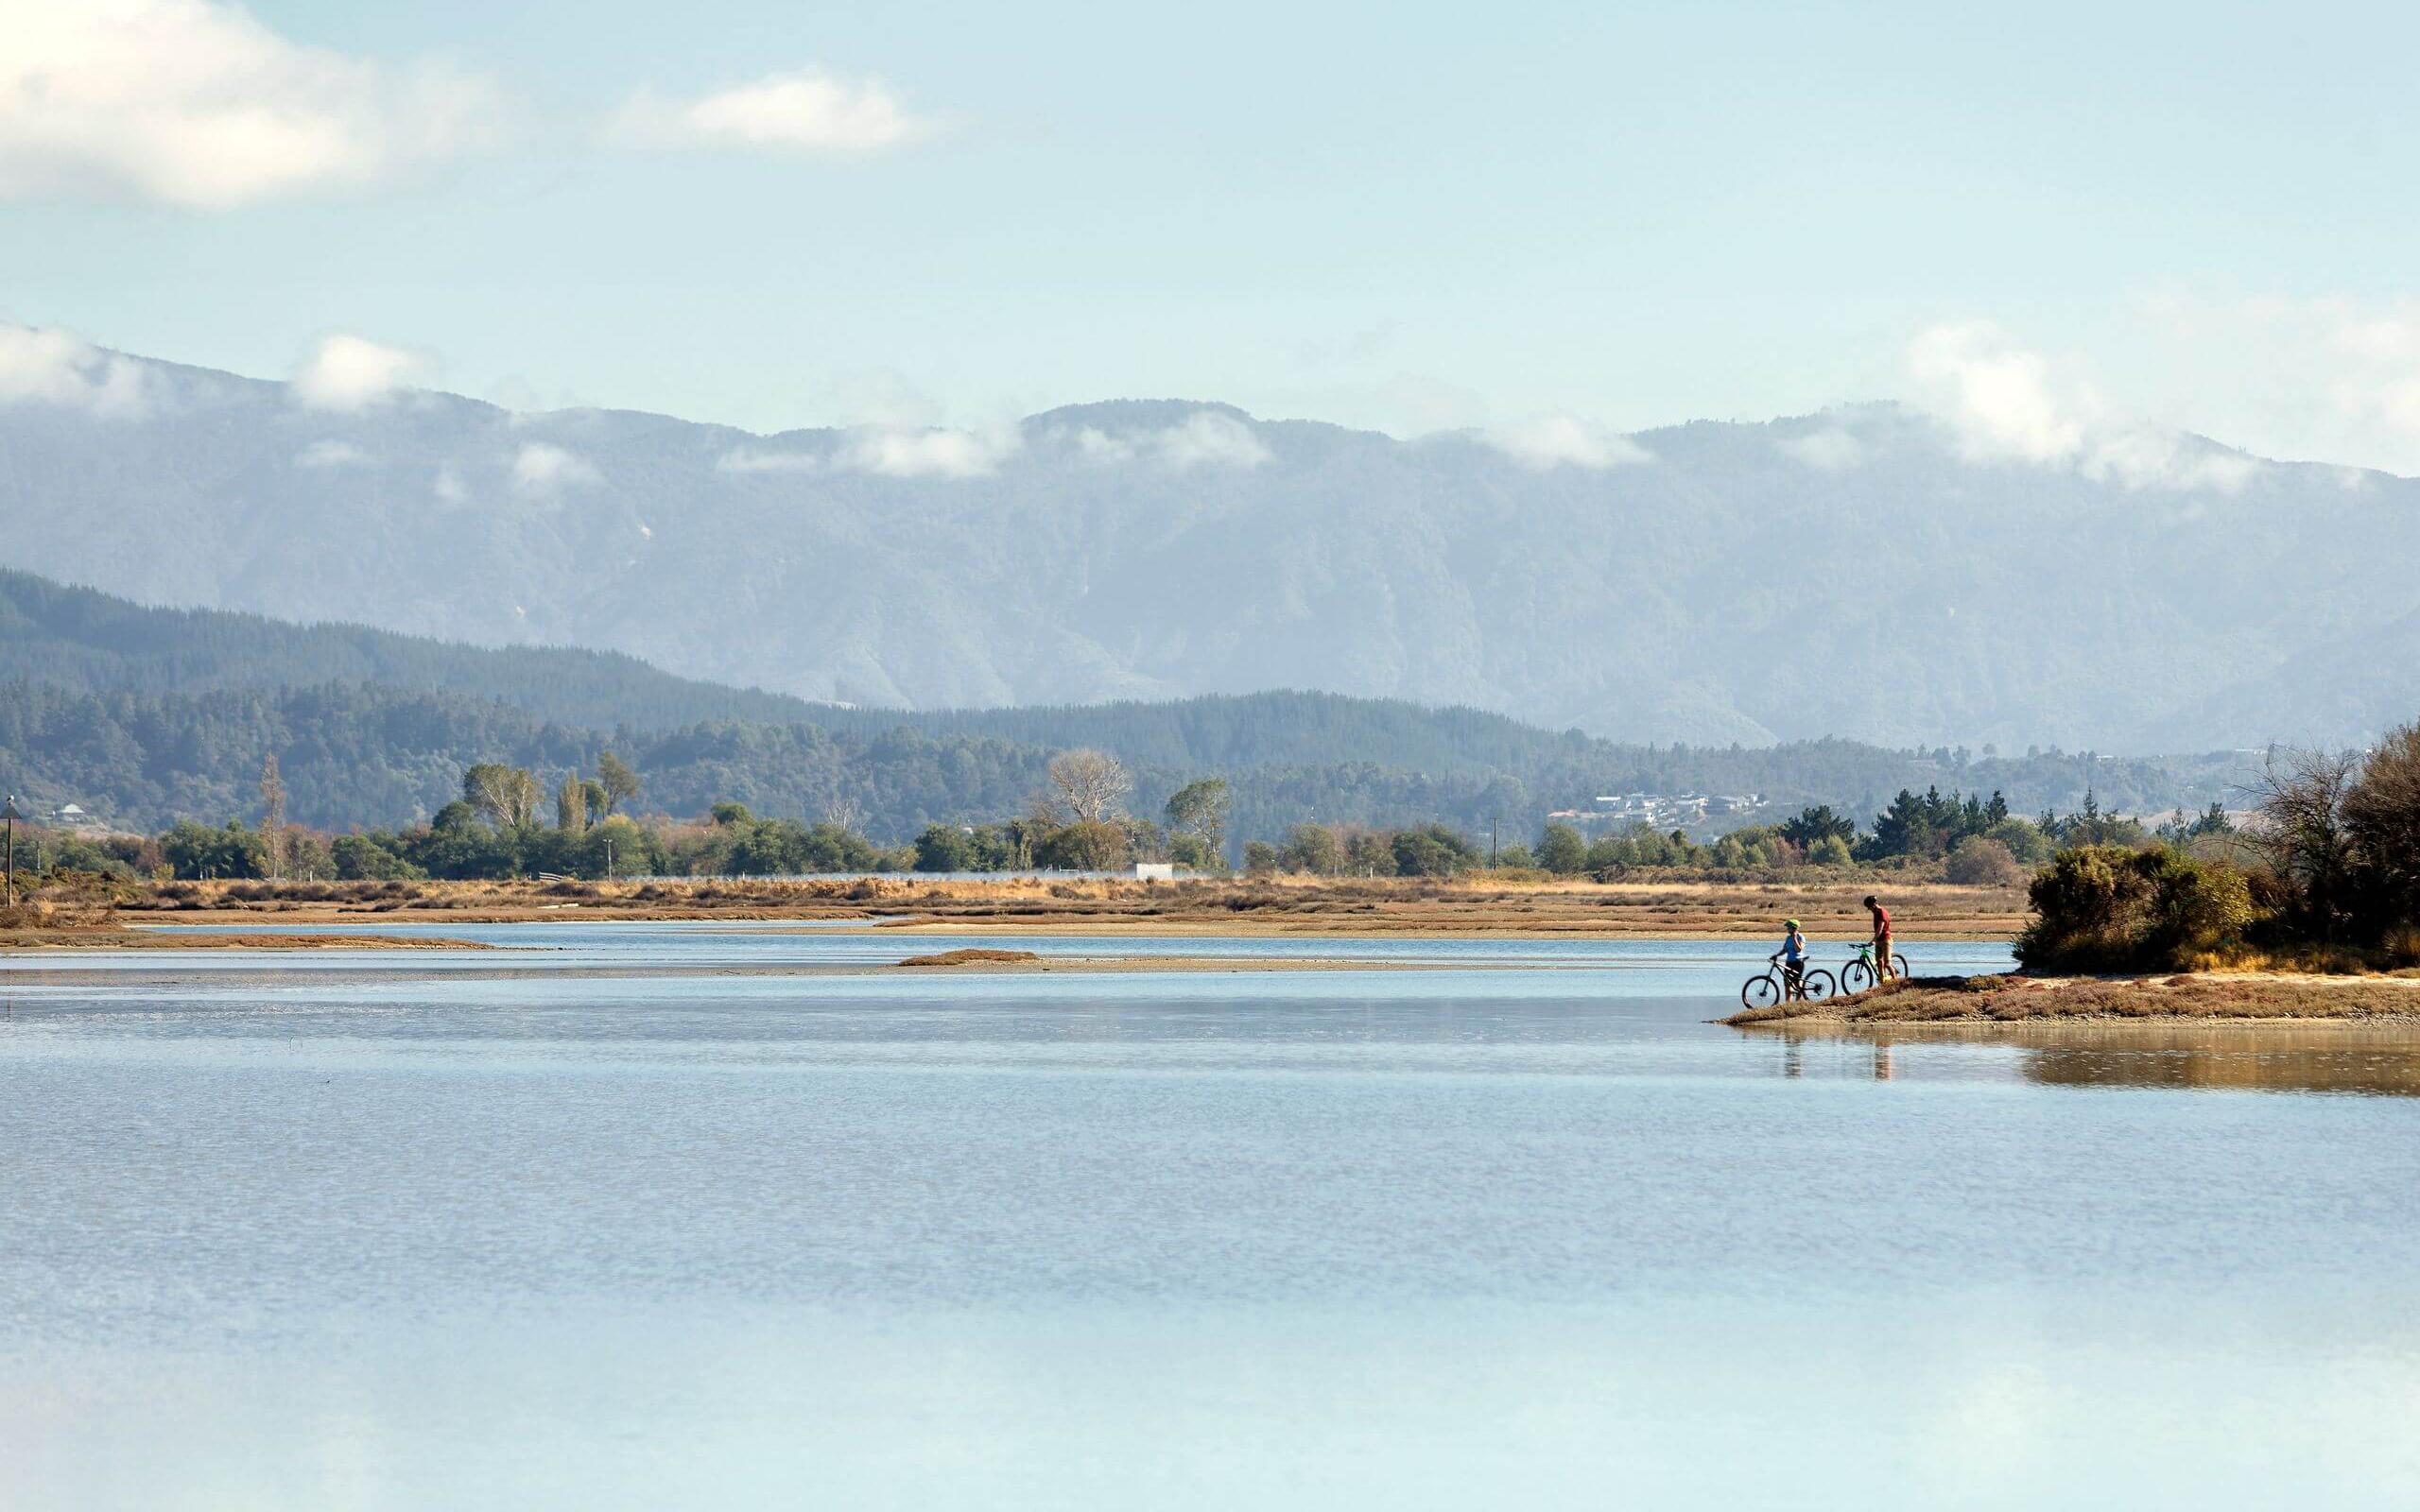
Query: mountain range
[1857, 573]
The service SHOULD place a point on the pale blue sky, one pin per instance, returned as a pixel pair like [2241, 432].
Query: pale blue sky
[1407, 216]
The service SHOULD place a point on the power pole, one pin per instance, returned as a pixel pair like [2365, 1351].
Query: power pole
[12, 811]
[273, 817]
[1491, 842]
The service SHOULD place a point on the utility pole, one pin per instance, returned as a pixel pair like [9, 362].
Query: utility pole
[10, 810]
[1491, 842]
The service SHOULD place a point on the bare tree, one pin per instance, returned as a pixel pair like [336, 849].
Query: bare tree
[1090, 783]
[844, 813]
[2382, 813]
[508, 795]
[2300, 796]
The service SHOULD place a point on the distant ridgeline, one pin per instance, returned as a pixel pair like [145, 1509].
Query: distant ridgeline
[145, 715]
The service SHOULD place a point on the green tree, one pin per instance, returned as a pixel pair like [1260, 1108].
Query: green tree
[1314, 848]
[1433, 851]
[1562, 851]
[571, 805]
[1814, 824]
[945, 848]
[198, 851]
[1196, 819]
[614, 777]
[365, 858]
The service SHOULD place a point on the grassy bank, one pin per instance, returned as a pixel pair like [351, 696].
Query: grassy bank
[1546, 909]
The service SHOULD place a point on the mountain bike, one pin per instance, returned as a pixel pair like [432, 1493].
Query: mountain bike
[1765, 990]
[1858, 975]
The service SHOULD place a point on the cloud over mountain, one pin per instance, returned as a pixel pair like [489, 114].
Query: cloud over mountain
[1857, 571]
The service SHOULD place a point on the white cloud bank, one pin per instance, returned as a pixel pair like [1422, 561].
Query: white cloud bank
[925, 453]
[199, 106]
[1834, 449]
[347, 373]
[1206, 437]
[811, 112]
[324, 454]
[2009, 403]
[757, 459]
[1565, 440]
[542, 470]
[54, 367]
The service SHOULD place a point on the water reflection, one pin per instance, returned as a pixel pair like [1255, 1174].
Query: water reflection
[2378, 1061]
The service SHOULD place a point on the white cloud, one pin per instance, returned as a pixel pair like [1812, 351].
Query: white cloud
[1097, 445]
[758, 459]
[55, 367]
[331, 453]
[541, 468]
[198, 105]
[2007, 403]
[2143, 456]
[448, 487]
[2001, 397]
[349, 373]
[925, 454]
[1209, 438]
[1830, 450]
[1563, 440]
[811, 112]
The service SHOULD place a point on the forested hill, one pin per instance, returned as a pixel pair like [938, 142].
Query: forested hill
[86, 641]
[364, 755]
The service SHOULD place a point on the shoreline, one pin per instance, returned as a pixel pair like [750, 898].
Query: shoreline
[2197, 999]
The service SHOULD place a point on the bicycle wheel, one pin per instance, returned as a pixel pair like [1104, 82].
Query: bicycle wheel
[1818, 986]
[1856, 977]
[1762, 991]
[1899, 964]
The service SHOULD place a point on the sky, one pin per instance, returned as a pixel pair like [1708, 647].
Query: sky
[2049, 222]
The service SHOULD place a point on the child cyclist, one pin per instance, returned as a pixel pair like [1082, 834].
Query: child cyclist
[1792, 957]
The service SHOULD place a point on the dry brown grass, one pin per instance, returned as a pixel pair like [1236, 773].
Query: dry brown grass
[1547, 908]
[974, 957]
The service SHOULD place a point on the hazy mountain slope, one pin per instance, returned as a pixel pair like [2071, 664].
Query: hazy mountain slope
[1727, 589]
[390, 718]
[80, 639]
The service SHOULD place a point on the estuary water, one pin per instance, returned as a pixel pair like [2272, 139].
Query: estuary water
[671, 1215]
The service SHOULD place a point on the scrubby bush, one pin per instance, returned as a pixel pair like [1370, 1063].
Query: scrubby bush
[1981, 862]
[2106, 908]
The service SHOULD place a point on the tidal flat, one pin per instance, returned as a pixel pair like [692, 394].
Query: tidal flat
[671, 1214]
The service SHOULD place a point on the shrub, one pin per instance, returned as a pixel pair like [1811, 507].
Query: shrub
[1978, 862]
[2104, 908]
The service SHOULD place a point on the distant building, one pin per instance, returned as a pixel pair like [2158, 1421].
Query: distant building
[1156, 871]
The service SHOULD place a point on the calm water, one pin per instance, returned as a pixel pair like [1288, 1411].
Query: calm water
[566, 1229]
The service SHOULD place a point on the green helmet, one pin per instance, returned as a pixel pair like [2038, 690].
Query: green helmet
[1789, 923]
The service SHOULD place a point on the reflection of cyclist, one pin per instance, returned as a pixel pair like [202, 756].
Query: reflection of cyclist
[1882, 970]
[1792, 957]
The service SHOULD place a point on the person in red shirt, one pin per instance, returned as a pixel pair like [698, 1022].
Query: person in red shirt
[1882, 972]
